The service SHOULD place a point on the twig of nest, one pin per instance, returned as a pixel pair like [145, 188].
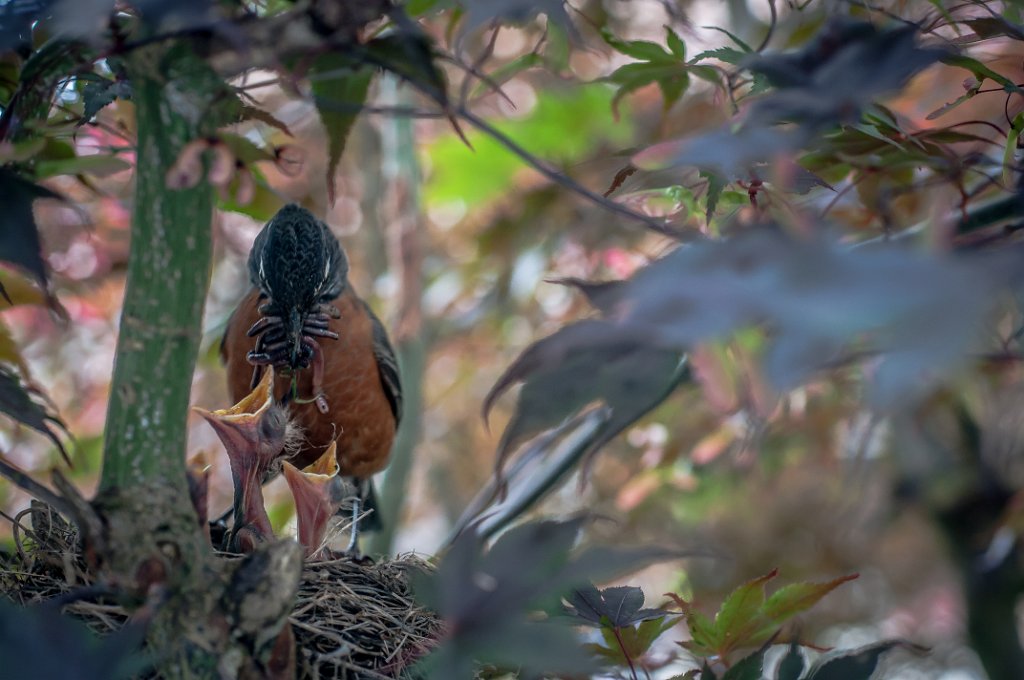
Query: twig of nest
[351, 620]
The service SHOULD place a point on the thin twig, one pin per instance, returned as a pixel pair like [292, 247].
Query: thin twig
[771, 26]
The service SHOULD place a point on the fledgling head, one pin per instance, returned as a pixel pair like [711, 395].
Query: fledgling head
[319, 492]
[255, 433]
[297, 263]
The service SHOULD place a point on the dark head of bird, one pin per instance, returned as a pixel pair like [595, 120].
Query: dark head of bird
[297, 264]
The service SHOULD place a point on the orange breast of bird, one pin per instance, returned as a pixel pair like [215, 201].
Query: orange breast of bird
[359, 416]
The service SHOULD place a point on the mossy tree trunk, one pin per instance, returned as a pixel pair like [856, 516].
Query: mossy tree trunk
[207, 617]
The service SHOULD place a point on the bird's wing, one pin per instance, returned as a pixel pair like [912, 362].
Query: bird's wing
[387, 364]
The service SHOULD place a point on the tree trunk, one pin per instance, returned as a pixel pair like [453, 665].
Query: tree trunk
[207, 617]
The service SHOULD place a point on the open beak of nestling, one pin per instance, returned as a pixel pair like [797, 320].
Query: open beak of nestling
[319, 492]
[238, 426]
[251, 447]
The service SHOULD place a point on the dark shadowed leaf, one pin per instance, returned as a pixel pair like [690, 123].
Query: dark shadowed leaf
[16, 20]
[792, 665]
[41, 643]
[858, 664]
[410, 54]
[81, 19]
[748, 668]
[98, 94]
[832, 80]
[619, 606]
[724, 153]
[994, 26]
[918, 315]
[21, 403]
[486, 596]
[482, 13]
[584, 363]
[179, 15]
[19, 237]
[602, 295]
[339, 89]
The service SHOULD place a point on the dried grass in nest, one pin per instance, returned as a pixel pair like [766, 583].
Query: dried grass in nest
[351, 621]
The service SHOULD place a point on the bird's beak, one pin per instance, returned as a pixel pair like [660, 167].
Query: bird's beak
[317, 497]
[236, 426]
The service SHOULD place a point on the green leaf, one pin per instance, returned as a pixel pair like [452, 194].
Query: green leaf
[788, 601]
[99, 165]
[1011, 148]
[644, 50]
[742, 45]
[644, 635]
[946, 108]
[737, 619]
[675, 43]
[730, 55]
[671, 77]
[716, 183]
[636, 640]
[980, 70]
[703, 635]
[339, 88]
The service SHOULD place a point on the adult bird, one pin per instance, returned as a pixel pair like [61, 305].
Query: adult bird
[334, 365]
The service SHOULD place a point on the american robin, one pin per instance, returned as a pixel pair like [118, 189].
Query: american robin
[255, 433]
[335, 369]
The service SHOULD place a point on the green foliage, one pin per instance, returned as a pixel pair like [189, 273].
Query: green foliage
[562, 127]
[666, 67]
[749, 617]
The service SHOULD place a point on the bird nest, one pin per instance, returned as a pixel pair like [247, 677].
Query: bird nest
[351, 620]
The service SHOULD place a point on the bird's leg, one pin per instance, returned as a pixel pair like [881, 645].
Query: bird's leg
[353, 542]
[357, 510]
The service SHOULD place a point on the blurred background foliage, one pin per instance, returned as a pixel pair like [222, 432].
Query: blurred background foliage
[810, 480]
